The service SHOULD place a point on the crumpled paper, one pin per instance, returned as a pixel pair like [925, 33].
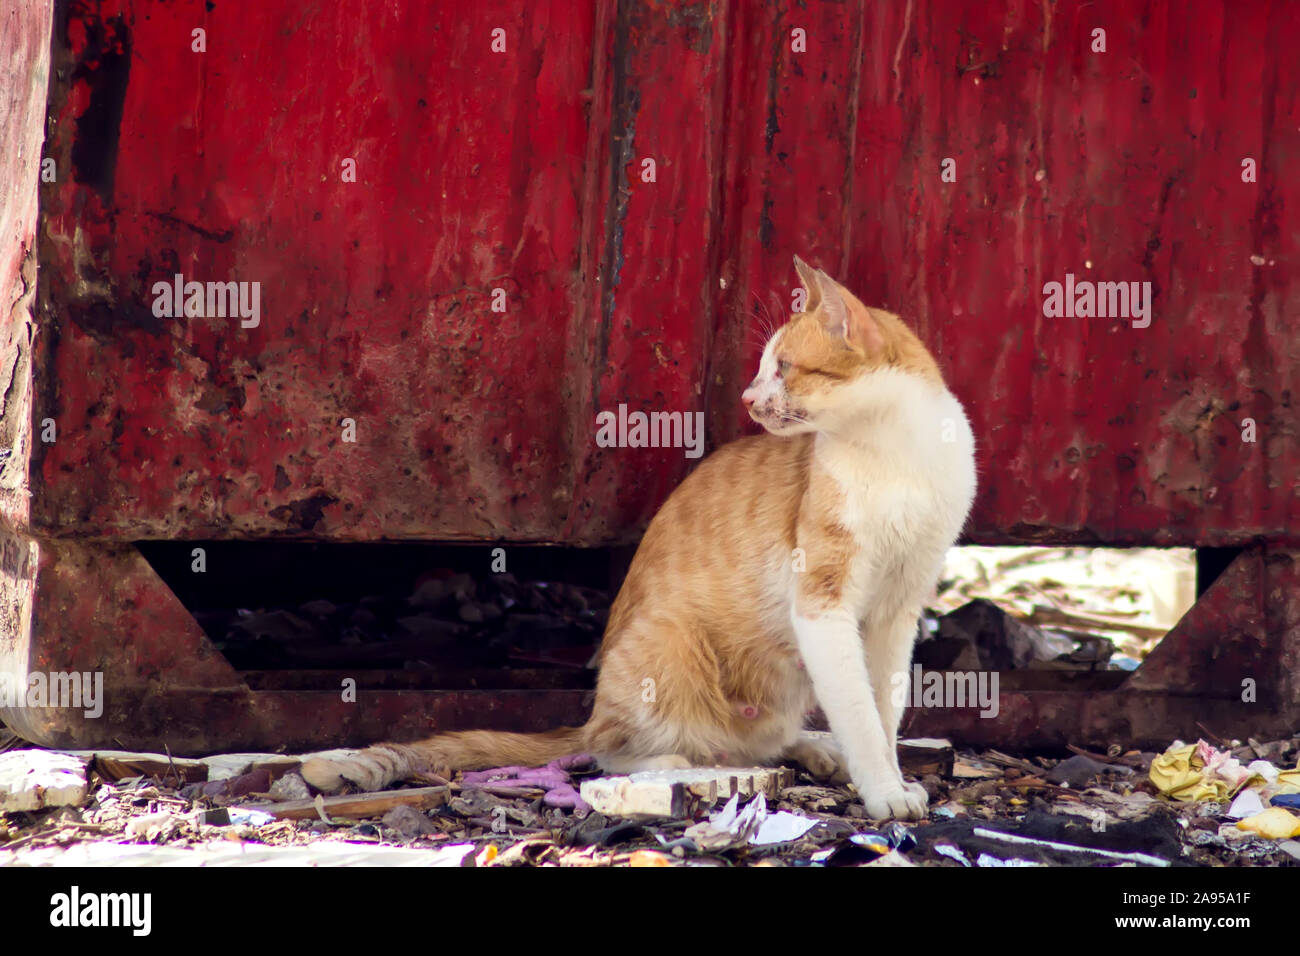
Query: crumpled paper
[754, 825]
[1199, 771]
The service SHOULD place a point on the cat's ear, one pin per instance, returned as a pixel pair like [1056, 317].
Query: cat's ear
[811, 285]
[844, 316]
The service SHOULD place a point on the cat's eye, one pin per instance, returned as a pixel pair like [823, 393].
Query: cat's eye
[782, 367]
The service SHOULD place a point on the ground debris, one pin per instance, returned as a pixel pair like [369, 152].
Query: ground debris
[987, 808]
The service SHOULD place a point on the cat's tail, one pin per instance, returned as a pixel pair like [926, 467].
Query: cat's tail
[376, 767]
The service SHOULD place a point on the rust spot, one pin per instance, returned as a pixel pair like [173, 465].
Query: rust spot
[217, 400]
[305, 513]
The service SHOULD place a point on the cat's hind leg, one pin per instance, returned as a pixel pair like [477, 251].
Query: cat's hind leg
[820, 756]
[658, 701]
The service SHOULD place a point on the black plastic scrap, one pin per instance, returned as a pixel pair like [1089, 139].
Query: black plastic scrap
[1057, 840]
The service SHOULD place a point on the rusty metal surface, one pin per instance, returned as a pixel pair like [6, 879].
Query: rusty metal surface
[523, 171]
[197, 724]
[375, 295]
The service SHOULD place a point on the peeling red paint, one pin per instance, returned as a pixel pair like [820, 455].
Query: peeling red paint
[480, 171]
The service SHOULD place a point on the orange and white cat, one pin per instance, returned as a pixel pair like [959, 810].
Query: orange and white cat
[788, 571]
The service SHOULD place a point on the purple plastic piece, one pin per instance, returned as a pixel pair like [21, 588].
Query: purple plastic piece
[553, 778]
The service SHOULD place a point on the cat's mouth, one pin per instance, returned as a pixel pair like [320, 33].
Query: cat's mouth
[781, 422]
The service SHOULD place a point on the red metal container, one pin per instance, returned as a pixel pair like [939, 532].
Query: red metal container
[387, 179]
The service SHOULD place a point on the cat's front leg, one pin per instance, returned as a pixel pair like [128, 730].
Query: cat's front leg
[889, 657]
[832, 652]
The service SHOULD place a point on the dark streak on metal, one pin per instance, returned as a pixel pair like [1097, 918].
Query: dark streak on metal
[1265, 233]
[851, 147]
[626, 103]
[107, 320]
[772, 127]
[766, 229]
[106, 69]
[224, 236]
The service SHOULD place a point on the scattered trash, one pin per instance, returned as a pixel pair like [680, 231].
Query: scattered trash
[1198, 771]
[754, 825]
[988, 808]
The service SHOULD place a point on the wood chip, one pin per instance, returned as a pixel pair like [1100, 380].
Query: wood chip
[357, 806]
[921, 756]
[967, 769]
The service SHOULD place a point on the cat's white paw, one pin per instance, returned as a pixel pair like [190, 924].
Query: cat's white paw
[915, 788]
[896, 800]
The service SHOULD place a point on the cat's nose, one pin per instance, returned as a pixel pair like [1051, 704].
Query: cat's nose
[748, 397]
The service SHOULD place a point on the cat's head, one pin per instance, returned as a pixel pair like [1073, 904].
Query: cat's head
[832, 363]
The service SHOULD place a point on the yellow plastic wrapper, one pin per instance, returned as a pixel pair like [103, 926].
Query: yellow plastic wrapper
[1275, 823]
[1288, 781]
[1178, 774]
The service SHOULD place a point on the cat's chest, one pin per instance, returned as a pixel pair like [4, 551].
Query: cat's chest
[888, 507]
[897, 520]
